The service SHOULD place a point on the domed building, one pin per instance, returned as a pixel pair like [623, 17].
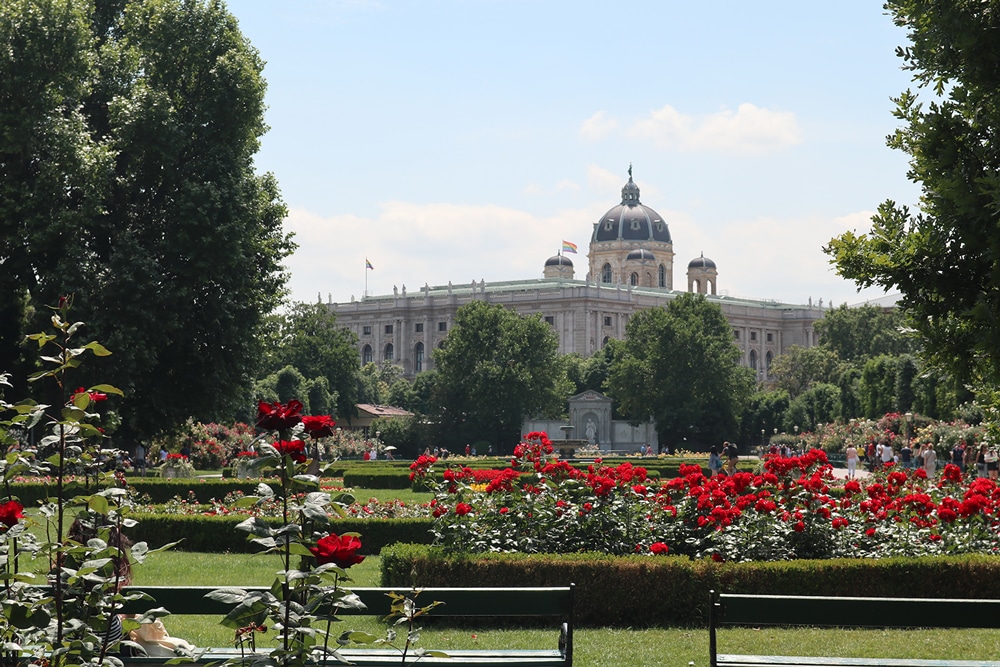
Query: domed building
[558, 266]
[701, 275]
[629, 227]
[630, 268]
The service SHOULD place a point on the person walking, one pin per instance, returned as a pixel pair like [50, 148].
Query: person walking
[852, 461]
[887, 454]
[714, 461]
[929, 457]
[140, 459]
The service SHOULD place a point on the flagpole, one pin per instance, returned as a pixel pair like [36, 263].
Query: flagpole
[365, 295]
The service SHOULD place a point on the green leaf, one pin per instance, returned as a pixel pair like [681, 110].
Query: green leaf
[107, 389]
[299, 549]
[98, 349]
[99, 504]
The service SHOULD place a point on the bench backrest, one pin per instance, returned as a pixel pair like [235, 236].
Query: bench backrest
[733, 609]
[496, 602]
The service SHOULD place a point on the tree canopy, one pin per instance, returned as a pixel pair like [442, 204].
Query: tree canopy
[496, 368]
[681, 367]
[127, 135]
[307, 337]
[944, 259]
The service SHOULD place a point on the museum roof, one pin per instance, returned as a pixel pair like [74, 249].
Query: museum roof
[631, 220]
[532, 288]
[701, 263]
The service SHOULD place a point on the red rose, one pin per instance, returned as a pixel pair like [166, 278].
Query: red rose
[10, 512]
[462, 509]
[275, 416]
[658, 548]
[319, 426]
[341, 550]
[294, 448]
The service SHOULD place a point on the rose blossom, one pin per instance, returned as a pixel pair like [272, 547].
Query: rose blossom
[341, 550]
[319, 426]
[10, 512]
[275, 416]
[294, 448]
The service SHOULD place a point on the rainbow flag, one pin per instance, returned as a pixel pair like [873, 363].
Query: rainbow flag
[368, 265]
[569, 247]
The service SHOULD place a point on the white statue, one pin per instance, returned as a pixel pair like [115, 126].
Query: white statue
[591, 430]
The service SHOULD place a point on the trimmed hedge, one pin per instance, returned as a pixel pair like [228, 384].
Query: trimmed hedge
[159, 490]
[664, 591]
[218, 534]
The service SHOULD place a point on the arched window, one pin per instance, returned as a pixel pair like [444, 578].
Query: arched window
[753, 359]
[366, 354]
[388, 353]
[767, 360]
[633, 279]
[604, 343]
[606, 274]
[662, 278]
[418, 357]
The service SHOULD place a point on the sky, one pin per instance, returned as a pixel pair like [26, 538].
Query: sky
[461, 140]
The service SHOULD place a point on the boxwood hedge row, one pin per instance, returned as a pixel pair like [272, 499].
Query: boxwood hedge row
[661, 591]
[218, 534]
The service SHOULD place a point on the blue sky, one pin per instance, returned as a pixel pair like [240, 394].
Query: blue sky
[460, 140]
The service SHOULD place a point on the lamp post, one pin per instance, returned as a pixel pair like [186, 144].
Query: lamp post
[909, 427]
[762, 442]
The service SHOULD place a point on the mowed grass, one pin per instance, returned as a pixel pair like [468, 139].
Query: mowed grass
[594, 647]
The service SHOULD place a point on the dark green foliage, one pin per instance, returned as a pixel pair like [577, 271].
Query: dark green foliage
[878, 386]
[765, 412]
[680, 367]
[128, 179]
[218, 534]
[308, 339]
[817, 405]
[861, 332]
[661, 591]
[495, 369]
[944, 260]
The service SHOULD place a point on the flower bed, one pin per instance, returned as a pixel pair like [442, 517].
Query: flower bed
[784, 511]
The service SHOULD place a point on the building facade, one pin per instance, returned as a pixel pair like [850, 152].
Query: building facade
[630, 259]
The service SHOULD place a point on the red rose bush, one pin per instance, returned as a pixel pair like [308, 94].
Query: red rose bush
[791, 507]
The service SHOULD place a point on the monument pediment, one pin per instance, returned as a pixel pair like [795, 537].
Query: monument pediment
[589, 395]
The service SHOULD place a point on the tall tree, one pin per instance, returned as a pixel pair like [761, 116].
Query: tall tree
[495, 369]
[862, 332]
[799, 367]
[944, 260]
[681, 367]
[308, 337]
[53, 171]
[129, 181]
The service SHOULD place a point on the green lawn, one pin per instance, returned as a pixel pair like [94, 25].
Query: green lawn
[595, 647]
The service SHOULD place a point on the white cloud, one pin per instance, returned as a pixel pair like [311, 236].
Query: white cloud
[748, 130]
[602, 180]
[597, 127]
[780, 259]
[413, 244]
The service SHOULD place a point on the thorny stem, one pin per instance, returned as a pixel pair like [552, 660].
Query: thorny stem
[285, 589]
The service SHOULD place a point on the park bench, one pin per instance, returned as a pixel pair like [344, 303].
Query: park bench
[493, 603]
[844, 612]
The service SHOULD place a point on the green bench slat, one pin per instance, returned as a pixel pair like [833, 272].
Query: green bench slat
[458, 602]
[389, 657]
[846, 612]
[516, 602]
[734, 660]
[857, 611]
